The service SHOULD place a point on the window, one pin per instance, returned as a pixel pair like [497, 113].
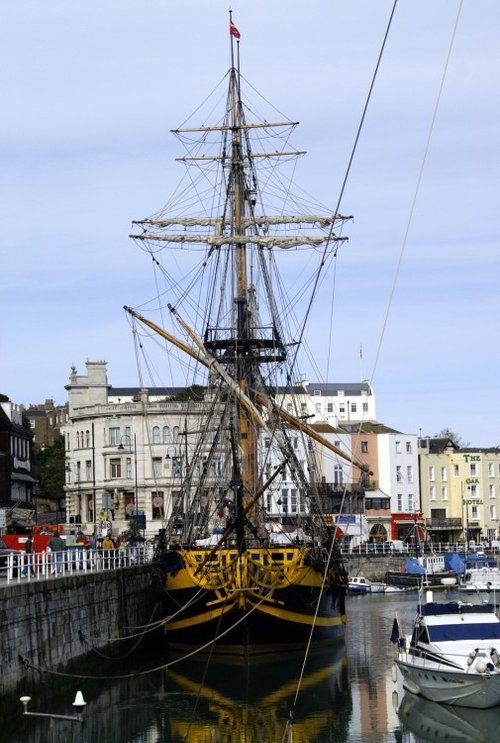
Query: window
[408, 447]
[156, 466]
[293, 500]
[302, 502]
[473, 469]
[175, 433]
[398, 447]
[364, 447]
[399, 474]
[267, 442]
[155, 434]
[90, 508]
[338, 475]
[316, 393]
[456, 470]
[88, 469]
[329, 407]
[303, 407]
[284, 500]
[318, 407]
[87, 439]
[473, 491]
[157, 504]
[444, 492]
[289, 407]
[365, 407]
[491, 470]
[114, 436]
[115, 467]
[342, 407]
[493, 512]
[128, 468]
[354, 407]
[474, 513]
[432, 475]
[165, 435]
[432, 493]
[491, 489]
[409, 473]
[410, 502]
[400, 501]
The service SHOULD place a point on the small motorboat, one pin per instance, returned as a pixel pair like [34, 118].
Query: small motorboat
[485, 579]
[453, 654]
[358, 584]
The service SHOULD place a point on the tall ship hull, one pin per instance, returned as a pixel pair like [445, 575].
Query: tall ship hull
[245, 605]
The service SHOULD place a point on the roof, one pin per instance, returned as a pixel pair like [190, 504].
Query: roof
[437, 445]
[368, 427]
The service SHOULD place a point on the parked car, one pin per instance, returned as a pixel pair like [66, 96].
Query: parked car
[5, 552]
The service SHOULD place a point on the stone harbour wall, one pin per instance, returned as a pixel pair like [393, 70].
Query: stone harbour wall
[47, 624]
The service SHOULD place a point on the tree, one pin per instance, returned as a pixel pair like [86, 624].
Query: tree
[447, 433]
[50, 463]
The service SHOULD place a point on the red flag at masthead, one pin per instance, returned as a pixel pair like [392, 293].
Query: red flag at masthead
[233, 30]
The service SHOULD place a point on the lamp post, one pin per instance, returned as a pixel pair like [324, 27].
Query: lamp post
[176, 463]
[134, 452]
[78, 705]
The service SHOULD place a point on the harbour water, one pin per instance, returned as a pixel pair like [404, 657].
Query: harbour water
[345, 695]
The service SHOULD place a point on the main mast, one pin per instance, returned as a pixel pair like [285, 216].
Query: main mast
[245, 476]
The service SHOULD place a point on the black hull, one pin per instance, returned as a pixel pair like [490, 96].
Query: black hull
[404, 580]
[255, 631]
[259, 636]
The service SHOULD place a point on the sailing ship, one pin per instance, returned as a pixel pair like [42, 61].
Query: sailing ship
[231, 578]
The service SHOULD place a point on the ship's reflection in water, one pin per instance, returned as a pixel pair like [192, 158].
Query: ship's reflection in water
[203, 701]
[272, 700]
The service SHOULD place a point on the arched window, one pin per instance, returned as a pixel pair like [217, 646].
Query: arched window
[166, 434]
[175, 433]
[156, 434]
[87, 438]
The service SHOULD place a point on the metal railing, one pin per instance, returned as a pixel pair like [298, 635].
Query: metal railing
[388, 548]
[72, 560]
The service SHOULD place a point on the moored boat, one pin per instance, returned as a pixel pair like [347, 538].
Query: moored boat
[360, 585]
[453, 654]
[429, 570]
[485, 579]
[229, 580]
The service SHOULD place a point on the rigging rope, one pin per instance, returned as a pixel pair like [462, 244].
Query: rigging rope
[348, 170]
[417, 189]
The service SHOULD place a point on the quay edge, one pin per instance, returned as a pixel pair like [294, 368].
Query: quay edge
[55, 622]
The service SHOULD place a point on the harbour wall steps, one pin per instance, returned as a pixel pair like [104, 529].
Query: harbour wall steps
[48, 624]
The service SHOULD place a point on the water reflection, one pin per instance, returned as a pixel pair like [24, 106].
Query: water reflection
[263, 701]
[341, 696]
[430, 721]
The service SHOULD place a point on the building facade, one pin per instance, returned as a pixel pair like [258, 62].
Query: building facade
[460, 490]
[16, 463]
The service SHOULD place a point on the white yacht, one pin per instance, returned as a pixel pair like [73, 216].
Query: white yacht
[453, 654]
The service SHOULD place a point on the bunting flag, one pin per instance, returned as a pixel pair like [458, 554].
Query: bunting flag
[233, 30]
[395, 631]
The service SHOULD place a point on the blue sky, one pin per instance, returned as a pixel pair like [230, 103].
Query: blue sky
[90, 92]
